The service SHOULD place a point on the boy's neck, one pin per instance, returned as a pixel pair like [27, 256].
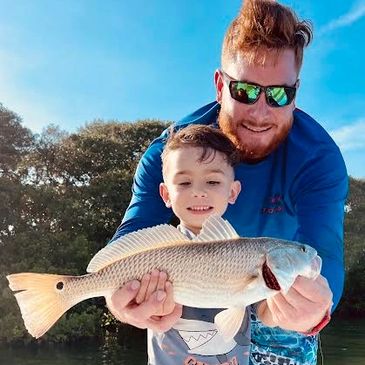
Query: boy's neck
[188, 231]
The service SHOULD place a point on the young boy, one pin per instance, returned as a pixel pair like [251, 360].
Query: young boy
[198, 182]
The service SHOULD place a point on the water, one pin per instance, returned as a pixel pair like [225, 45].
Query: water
[343, 343]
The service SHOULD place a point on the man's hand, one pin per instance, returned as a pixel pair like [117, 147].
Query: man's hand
[302, 308]
[146, 304]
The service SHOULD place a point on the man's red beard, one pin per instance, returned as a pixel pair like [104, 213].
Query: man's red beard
[249, 152]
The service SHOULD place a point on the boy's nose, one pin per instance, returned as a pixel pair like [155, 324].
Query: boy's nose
[199, 193]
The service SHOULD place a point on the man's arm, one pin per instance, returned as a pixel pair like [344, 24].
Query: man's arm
[319, 195]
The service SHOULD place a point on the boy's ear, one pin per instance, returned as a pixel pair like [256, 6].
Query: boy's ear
[235, 190]
[164, 193]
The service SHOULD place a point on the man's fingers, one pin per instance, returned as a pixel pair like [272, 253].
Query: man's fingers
[281, 307]
[274, 309]
[294, 299]
[317, 291]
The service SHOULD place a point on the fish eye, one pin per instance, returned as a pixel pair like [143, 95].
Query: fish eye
[303, 249]
[60, 285]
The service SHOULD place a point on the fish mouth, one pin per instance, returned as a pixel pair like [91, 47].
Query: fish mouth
[269, 277]
[315, 268]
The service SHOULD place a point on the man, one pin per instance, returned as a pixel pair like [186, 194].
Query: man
[294, 184]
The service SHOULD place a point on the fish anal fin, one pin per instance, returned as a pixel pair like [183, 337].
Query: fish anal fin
[229, 321]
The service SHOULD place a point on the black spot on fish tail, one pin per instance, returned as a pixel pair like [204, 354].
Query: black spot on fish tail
[60, 285]
[269, 277]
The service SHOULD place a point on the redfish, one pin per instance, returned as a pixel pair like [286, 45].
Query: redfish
[216, 269]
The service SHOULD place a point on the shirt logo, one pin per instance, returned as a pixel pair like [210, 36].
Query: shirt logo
[273, 204]
[271, 359]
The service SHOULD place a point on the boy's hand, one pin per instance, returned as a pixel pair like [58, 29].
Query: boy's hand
[146, 304]
[302, 308]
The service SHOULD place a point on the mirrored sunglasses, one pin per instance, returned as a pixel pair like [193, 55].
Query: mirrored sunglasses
[248, 93]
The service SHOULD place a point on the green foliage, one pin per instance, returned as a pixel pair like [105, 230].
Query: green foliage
[61, 198]
[353, 300]
[79, 324]
[15, 141]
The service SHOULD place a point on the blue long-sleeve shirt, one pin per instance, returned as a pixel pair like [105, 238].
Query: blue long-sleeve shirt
[297, 193]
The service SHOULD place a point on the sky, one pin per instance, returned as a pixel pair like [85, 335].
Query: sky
[73, 61]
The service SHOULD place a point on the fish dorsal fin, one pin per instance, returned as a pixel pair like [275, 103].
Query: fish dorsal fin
[144, 239]
[215, 228]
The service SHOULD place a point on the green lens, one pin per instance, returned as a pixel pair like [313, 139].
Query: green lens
[246, 92]
[279, 96]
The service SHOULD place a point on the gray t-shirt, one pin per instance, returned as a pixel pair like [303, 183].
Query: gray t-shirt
[195, 339]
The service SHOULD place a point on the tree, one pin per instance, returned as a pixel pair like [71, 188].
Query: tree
[72, 195]
[353, 300]
[15, 141]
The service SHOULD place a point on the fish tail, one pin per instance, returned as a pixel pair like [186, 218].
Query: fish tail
[41, 299]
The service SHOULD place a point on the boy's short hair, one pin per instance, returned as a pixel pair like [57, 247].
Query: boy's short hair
[211, 140]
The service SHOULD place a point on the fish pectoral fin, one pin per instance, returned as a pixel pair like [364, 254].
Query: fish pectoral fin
[229, 321]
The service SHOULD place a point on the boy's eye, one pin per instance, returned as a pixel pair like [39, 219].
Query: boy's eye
[185, 183]
[213, 182]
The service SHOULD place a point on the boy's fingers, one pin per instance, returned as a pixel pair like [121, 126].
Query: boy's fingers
[143, 289]
[161, 281]
[146, 309]
[123, 296]
[152, 285]
[163, 324]
[169, 302]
